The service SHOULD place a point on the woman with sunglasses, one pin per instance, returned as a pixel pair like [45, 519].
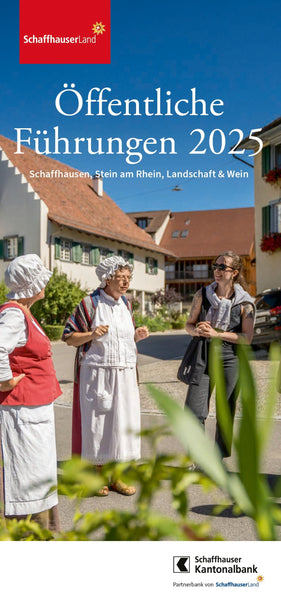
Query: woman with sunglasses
[230, 314]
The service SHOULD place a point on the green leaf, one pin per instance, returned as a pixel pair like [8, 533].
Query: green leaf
[265, 424]
[200, 448]
[247, 443]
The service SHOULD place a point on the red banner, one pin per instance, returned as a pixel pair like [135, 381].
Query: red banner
[63, 33]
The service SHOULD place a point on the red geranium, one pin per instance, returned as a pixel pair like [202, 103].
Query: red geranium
[271, 242]
[273, 176]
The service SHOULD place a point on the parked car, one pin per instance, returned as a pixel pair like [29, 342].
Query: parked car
[268, 318]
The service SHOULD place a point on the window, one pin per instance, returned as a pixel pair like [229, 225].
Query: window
[175, 234]
[271, 218]
[142, 222]
[170, 271]
[86, 255]
[11, 247]
[170, 268]
[128, 256]
[271, 158]
[278, 156]
[200, 271]
[65, 250]
[78, 252]
[151, 266]
[184, 233]
[105, 252]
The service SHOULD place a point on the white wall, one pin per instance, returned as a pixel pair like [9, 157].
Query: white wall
[86, 274]
[160, 232]
[268, 266]
[22, 213]
[20, 209]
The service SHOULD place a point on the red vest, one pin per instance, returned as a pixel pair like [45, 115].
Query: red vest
[40, 385]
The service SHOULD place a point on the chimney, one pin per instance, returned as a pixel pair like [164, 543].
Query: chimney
[98, 185]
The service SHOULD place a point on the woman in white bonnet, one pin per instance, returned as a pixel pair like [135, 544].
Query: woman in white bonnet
[28, 387]
[106, 407]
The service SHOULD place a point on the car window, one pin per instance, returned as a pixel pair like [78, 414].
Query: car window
[269, 301]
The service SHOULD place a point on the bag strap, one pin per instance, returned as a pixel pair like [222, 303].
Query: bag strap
[204, 305]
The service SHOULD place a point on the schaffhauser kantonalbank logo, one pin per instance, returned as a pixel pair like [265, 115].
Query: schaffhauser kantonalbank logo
[65, 36]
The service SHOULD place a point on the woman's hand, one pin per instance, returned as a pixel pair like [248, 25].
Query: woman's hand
[141, 333]
[205, 329]
[7, 386]
[99, 331]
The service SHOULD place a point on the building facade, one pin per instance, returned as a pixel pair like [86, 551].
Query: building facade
[66, 218]
[267, 182]
[196, 238]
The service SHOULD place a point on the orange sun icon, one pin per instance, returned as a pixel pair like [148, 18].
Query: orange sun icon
[98, 28]
[260, 578]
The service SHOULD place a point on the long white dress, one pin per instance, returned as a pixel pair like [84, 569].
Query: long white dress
[109, 395]
[27, 435]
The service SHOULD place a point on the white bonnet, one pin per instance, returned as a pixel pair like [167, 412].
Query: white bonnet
[107, 268]
[26, 276]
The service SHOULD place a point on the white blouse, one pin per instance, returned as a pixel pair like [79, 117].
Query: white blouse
[117, 347]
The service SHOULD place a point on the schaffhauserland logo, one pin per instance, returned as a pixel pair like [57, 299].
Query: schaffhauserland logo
[70, 38]
[98, 28]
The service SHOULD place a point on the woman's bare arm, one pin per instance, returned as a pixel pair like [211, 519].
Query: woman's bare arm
[78, 338]
[192, 320]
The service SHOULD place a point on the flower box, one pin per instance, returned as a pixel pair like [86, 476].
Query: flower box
[274, 176]
[271, 242]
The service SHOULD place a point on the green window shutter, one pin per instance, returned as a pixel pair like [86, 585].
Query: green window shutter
[266, 220]
[1, 249]
[95, 256]
[120, 252]
[265, 157]
[76, 252]
[131, 258]
[57, 248]
[20, 246]
[155, 267]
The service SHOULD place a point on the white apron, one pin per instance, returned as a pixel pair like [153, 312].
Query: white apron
[30, 470]
[109, 395]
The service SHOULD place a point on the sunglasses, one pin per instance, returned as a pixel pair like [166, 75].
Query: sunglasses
[221, 267]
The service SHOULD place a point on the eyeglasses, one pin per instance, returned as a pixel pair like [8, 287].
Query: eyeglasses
[221, 267]
[123, 277]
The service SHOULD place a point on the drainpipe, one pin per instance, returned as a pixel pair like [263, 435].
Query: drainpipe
[243, 161]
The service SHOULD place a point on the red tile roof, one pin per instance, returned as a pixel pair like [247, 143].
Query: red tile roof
[72, 202]
[210, 232]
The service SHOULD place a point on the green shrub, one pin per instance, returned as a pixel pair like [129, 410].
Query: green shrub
[54, 332]
[61, 297]
[179, 321]
[157, 323]
[3, 291]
